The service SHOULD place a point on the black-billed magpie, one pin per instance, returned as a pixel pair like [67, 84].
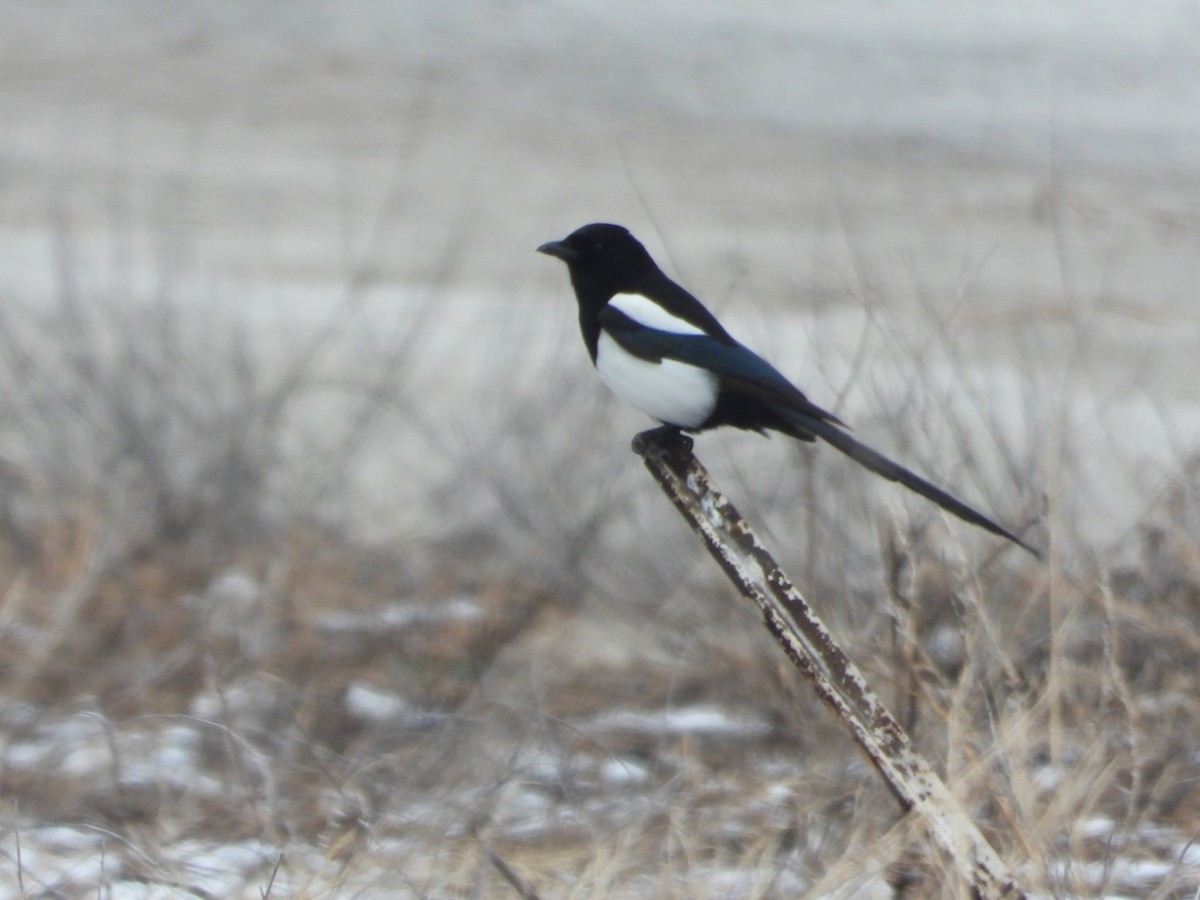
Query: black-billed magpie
[659, 349]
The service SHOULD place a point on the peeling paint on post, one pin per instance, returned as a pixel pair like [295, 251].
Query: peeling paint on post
[812, 649]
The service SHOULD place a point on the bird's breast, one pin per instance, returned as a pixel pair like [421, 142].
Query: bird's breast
[671, 391]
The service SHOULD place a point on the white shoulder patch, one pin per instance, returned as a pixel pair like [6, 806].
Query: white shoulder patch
[646, 312]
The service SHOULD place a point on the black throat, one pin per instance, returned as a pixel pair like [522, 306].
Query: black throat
[591, 300]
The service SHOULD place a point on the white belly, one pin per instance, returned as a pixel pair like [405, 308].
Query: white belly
[670, 391]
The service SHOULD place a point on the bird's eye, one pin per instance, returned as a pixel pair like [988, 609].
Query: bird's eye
[597, 249]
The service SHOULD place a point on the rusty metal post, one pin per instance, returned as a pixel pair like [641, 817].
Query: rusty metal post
[812, 649]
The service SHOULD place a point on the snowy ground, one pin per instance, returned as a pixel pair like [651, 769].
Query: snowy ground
[246, 792]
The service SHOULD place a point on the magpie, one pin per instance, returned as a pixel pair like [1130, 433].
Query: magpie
[659, 349]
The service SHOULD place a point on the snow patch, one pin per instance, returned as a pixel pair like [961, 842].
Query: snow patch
[401, 616]
[698, 720]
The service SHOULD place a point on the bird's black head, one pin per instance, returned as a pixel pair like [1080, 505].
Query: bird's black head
[603, 260]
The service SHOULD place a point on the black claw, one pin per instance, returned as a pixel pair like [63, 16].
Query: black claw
[663, 438]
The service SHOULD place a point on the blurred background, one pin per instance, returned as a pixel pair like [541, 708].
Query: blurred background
[326, 570]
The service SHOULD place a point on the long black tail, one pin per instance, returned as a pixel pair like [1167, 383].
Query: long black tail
[893, 471]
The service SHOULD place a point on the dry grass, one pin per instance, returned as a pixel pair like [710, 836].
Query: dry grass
[182, 709]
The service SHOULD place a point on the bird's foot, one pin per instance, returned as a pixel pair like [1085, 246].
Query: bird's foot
[664, 438]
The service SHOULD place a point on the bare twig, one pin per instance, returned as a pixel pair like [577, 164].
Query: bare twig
[522, 887]
[812, 649]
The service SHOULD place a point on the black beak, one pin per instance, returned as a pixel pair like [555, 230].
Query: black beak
[560, 249]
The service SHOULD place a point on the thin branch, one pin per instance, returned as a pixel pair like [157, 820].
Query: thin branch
[812, 649]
